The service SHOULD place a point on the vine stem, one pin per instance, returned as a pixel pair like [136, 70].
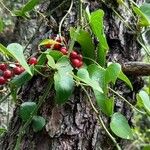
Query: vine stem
[6, 8]
[23, 128]
[126, 101]
[62, 20]
[100, 120]
[80, 14]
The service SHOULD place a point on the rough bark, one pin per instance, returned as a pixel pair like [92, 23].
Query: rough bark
[74, 124]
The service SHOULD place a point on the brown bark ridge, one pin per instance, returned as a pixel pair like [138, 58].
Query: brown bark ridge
[136, 68]
[73, 126]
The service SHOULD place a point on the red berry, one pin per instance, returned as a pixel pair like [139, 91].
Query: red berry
[32, 61]
[64, 50]
[80, 57]
[7, 74]
[73, 55]
[3, 67]
[2, 80]
[57, 46]
[17, 70]
[76, 63]
[22, 69]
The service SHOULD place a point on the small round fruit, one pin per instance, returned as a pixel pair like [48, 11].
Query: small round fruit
[22, 69]
[80, 57]
[32, 61]
[73, 55]
[57, 46]
[64, 50]
[7, 74]
[17, 70]
[2, 80]
[76, 63]
[3, 67]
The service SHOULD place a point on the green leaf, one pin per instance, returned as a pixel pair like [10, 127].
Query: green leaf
[145, 8]
[146, 147]
[146, 100]
[96, 23]
[20, 80]
[87, 46]
[63, 80]
[119, 125]
[98, 74]
[38, 123]
[55, 54]
[26, 110]
[1, 25]
[51, 61]
[29, 5]
[124, 78]
[16, 51]
[83, 75]
[112, 72]
[143, 19]
[105, 104]
[5, 51]
[23, 12]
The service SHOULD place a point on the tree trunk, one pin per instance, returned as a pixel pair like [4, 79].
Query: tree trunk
[73, 126]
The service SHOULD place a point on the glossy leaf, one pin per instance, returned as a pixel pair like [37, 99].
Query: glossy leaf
[5, 51]
[96, 23]
[30, 5]
[21, 79]
[87, 46]
[145, 8]
[16, 51]
[146, 100]
[84, 77]
[98, 74]
[124, 78]
[51, 61]
[26, 110]
[23, 12]
[119, 125]
[55, 54]
[63, 80]
[143, 19]
[38, 123]
[112, 72]
[105, 104]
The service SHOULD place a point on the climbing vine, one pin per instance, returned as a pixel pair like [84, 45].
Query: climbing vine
[66, 67]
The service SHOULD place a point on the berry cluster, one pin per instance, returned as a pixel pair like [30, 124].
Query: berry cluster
[8, 72]
[75, 58]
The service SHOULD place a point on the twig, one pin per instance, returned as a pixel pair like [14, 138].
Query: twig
[62, 20]
[126, 101]
[6, 8]
[136, 68]
[100, 119]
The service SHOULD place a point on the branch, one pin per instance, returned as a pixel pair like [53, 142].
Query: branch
[136, 68]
